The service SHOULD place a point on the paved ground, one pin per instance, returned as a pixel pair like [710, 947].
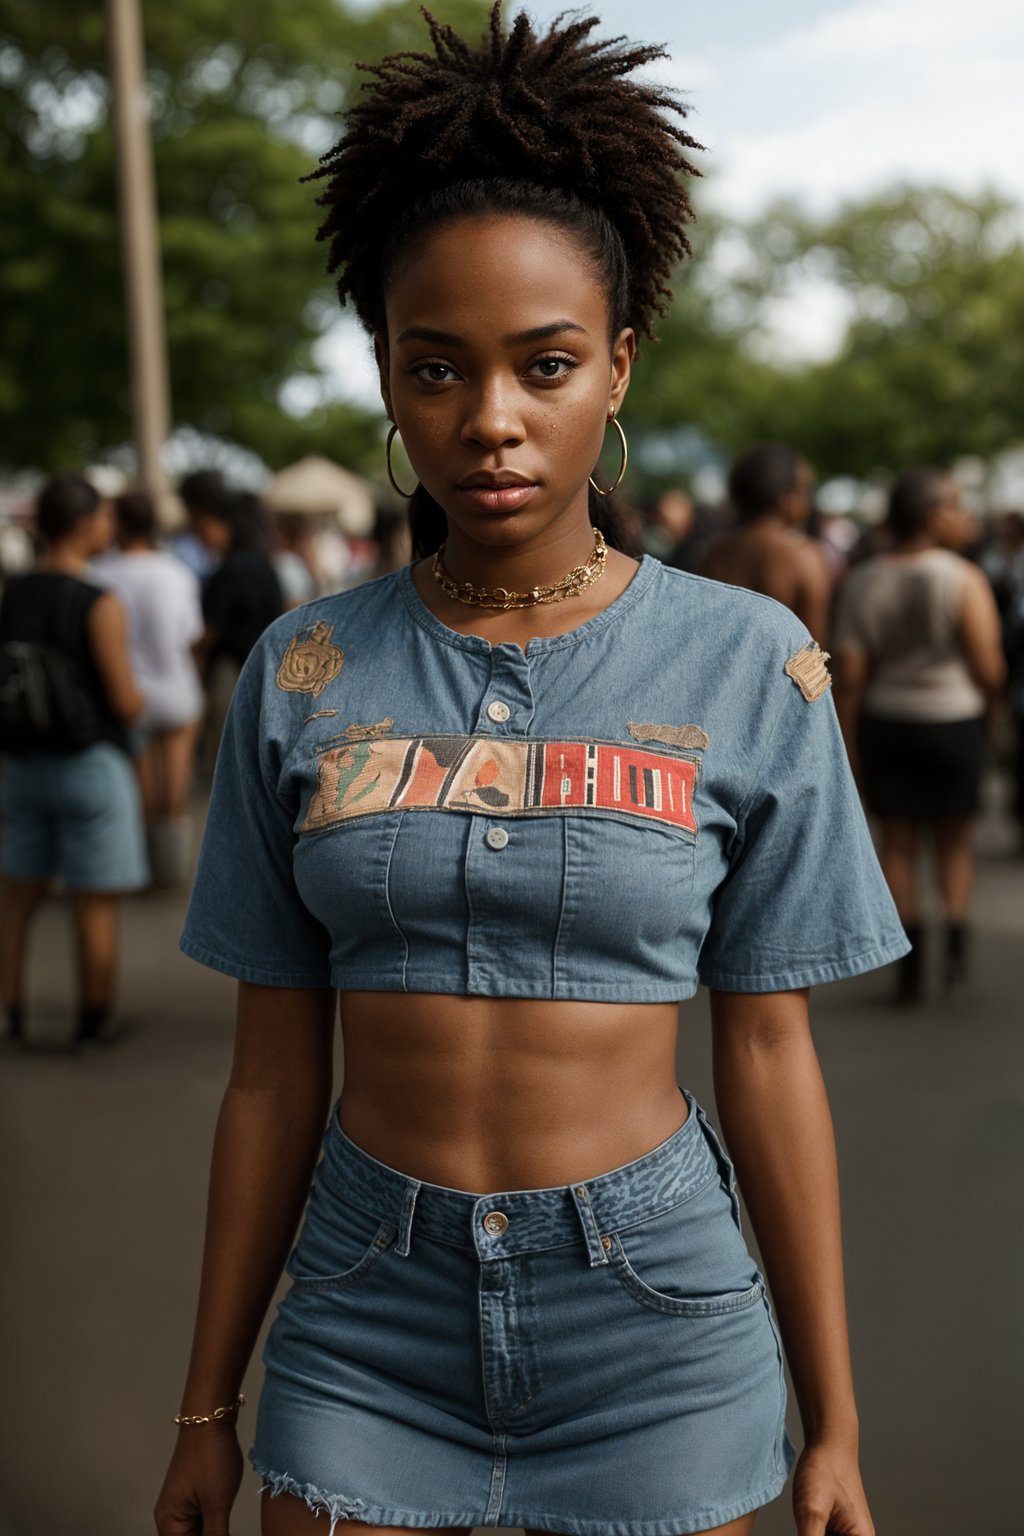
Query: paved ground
[102, 1207]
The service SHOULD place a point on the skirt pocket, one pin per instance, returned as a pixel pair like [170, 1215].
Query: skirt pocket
[339, 1243]
[690, 1261]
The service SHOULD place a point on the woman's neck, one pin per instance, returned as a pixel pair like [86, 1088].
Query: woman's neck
[63, 558]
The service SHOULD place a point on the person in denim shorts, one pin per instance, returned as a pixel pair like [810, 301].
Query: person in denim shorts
[513, 802]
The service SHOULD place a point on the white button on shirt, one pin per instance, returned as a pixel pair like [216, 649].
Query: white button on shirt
[497, 838]
[498, 711]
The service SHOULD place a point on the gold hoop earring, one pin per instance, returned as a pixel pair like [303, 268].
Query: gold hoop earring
[405, 495]
[625, 460]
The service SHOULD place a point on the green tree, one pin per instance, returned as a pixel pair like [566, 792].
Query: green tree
[243, 103]
[932, 362]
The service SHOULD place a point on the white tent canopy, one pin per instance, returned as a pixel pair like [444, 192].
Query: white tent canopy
[317, 487]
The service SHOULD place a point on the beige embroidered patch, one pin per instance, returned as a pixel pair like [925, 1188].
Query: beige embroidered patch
[369, 732]
[669, 735]
[808, 670]
[310, 662]
[319, 714]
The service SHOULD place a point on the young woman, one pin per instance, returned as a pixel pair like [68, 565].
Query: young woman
[513, 801]
[919, 662]
[72, 815]
[162, 598]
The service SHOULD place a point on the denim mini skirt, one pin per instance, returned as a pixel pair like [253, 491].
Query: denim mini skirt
[596, 1358]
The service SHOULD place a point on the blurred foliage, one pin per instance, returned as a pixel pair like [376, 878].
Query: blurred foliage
[244, 101]
[932, 363]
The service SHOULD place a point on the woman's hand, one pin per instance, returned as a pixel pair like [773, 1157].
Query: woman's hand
[202, 1482]
[828, 1495]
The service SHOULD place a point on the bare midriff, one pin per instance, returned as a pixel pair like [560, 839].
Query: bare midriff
[488, 1094]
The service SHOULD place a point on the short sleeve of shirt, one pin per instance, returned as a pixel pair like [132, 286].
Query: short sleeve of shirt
[804, 900]
[245, 916]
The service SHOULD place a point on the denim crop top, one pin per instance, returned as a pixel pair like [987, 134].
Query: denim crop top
[659, 797]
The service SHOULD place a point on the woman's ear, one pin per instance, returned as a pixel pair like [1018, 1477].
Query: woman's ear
[623, 353]
[380, 353]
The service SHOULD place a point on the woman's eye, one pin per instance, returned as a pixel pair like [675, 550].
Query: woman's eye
[434, 373]
[552, 367]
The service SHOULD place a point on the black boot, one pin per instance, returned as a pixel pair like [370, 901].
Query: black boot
[910, 979]
[954, 972]
[16, 1024]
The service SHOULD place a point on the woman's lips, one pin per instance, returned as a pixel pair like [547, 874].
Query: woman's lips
[497, 498]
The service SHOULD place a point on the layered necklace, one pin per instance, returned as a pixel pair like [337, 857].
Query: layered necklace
[577, 580]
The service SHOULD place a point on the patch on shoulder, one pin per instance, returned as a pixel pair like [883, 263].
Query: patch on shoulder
[691, 736]
[311, 661]
[369, 732]
[808, 670]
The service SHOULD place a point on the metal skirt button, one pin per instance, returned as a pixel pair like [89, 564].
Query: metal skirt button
[495, 1222]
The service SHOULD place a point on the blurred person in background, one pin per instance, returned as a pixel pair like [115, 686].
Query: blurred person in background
[294, 557]
[242, 594]
[771, 490]
[917, 661]
[675, 530]
[73, 815]
[392, 538]
[161, 596]
[1002, 560]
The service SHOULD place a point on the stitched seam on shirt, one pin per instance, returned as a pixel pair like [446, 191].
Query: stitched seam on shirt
[391, 911]
[798, 970]
[561, 906]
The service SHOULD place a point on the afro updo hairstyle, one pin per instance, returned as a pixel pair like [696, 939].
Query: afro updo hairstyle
[540, 125]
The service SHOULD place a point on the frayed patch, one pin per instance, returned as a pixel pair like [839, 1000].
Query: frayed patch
[310, 662]
[369, 732]
[317, 1499]
[808, 670]
[691, 736]
[319, 714]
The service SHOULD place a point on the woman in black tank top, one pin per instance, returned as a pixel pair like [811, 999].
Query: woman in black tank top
[71, 815]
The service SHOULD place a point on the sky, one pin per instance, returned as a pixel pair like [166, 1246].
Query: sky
[823, 101]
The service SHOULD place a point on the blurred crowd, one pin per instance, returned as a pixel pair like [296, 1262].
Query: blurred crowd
[120, 644]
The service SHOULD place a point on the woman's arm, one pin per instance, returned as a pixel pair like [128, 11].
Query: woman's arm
[850, 673]
[774, 1112]
[107, 629]
[268, 1135]
[980, 635]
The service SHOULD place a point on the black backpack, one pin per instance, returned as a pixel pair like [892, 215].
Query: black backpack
[46, 703]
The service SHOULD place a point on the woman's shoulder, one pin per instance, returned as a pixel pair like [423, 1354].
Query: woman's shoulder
[717, 612]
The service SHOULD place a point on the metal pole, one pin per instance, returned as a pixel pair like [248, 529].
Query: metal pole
[140, 242]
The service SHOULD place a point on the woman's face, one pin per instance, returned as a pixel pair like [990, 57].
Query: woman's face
[213, 532]
[500, 373]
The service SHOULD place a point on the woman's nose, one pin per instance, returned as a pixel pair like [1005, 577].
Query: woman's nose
[493, 420]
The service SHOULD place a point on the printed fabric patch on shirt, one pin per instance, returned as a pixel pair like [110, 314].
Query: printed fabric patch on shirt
[310, 662]
[486, 774]
[808, 670]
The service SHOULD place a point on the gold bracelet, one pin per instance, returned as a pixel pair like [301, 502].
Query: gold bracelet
[208, 1418]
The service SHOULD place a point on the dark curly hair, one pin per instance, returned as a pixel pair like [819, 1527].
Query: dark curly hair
[543, 125]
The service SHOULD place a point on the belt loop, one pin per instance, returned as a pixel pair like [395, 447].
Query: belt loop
[588, 1221]
[725, 1166]
[412, 1189]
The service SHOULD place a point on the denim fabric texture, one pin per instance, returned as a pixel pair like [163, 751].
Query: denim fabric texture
[570, 1359]
[616, 814]
[73, 816]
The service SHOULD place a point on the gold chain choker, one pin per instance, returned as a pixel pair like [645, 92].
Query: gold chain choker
[578, 580]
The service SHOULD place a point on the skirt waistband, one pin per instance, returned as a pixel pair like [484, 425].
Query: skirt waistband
[509, 1222]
